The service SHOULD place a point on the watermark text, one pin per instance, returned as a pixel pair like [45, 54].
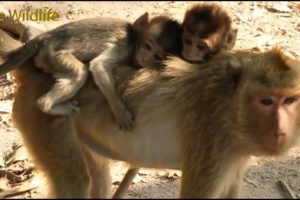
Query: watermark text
[31, 15]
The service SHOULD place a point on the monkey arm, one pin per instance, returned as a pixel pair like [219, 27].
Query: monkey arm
[102, 70]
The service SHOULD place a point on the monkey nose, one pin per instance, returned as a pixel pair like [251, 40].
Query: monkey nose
[136, 62]
[279, 139]
[185, 55]
[279, 133]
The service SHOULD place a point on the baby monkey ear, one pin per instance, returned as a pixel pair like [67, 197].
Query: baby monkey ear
[141, 22]
[230, 39]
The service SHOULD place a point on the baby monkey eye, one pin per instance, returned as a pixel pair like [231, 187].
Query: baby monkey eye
[147, 46]
[188, 41]
[157, 57]
[201, 46]
[290, 100]
[266, 102]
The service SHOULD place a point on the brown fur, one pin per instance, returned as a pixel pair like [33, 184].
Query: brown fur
[197, 120]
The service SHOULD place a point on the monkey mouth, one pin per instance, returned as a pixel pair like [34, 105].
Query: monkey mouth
[136, 63]
[193, 59]
[196, 61]
[278, 144]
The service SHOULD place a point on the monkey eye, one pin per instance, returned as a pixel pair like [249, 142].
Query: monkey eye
[266, 102]
[187, 41]
[157, 57]
[290, 100]
[147, 46]
[201, 46]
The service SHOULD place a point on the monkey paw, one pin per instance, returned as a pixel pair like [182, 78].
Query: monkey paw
[69, 108]
[45, 104]
[125, 119]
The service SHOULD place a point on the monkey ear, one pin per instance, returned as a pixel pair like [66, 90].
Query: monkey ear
[234, 71]
[141, 21]
[230, 39]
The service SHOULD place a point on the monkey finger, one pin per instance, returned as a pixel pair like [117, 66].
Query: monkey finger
[125, 127]
[128, 126]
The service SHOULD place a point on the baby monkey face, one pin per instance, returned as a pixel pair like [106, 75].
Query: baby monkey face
[148, 53]
[194, 47]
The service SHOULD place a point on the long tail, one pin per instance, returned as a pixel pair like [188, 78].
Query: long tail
[21, 55]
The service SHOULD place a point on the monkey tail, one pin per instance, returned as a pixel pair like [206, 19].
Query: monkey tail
[19, 56]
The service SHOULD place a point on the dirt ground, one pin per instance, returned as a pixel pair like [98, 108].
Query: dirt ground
[260, 24]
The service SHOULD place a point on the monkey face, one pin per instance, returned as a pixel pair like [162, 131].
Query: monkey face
[148, 52]
[206, 31]
[276, 117]
[270, 109]
[194, 49]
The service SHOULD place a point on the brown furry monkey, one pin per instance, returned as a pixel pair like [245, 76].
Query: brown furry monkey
[207, 29]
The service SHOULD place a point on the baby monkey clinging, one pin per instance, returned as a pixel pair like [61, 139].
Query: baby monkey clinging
[104, 43]
[205, 31]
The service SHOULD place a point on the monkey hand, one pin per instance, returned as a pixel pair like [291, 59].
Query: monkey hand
[125, 118]
[69, 108]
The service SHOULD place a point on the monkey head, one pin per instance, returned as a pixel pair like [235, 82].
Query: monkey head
[268, 102]
[155, 39]
[206, 30]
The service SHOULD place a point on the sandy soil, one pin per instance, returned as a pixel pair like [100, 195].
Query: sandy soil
[260, 24]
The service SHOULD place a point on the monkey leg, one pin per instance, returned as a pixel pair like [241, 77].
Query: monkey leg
[71, 75]
[212, 178]
[234, 191]
[123, 187]
[55, 149]
[99, 172]
[101, 69]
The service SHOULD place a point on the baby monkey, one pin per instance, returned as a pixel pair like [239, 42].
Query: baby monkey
[105, 44]
[207, 29]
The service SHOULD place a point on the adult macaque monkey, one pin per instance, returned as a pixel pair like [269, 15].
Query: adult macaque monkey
[64, 50]
[252, 99]
[207, 29]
